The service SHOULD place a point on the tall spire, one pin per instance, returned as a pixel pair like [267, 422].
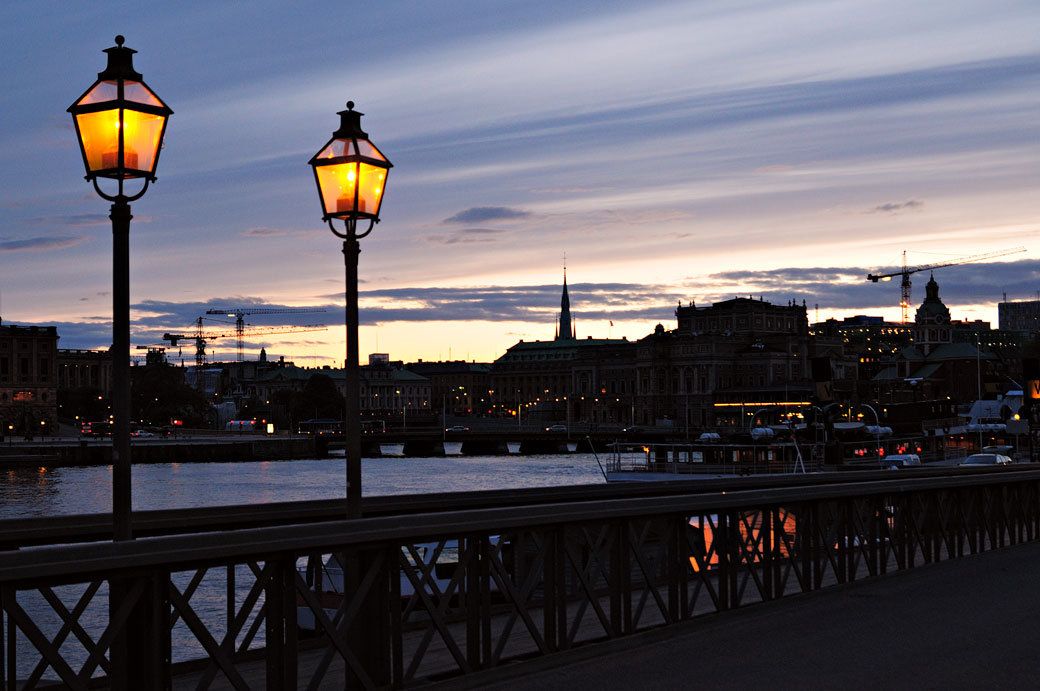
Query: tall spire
[565, 329]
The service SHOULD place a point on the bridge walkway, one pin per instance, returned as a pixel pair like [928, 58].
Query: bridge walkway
[969, 623]
[940, 626]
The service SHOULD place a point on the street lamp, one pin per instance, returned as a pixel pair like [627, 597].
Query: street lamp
[351, 176]
[120, 124]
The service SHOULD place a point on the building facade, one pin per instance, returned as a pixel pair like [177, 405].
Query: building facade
[28, 380]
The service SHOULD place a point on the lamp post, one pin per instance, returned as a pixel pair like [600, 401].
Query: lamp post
[120, 124]
[877, 431]
[351, 176]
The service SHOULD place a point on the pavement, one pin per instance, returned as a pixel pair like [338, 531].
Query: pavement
[971, 623]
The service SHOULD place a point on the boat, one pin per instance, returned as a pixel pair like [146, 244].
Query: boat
[771, 455]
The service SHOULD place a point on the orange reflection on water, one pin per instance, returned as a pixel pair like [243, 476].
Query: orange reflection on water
[749, 525]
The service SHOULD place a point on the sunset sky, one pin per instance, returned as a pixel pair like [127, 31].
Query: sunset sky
[673, 152]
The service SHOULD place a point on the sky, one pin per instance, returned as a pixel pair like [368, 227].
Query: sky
[665, 152]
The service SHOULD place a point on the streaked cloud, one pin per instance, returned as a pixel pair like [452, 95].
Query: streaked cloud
[75, 220]
[40, 244]
[464, 237]
[483, 214]
[895, 207]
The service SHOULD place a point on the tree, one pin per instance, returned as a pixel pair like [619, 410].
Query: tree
[158, 395]
[319, 399]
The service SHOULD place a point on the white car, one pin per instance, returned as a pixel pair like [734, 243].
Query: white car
[979, 459]
[903, 460]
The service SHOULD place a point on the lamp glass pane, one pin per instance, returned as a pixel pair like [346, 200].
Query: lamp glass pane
[338, 147]
[139, 93]
[99, 133]
[367, 149]
[102, 91]
[338, 184]
[372, 181]
[141, 139]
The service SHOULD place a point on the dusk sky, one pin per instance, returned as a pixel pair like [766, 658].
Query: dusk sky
[673, 152]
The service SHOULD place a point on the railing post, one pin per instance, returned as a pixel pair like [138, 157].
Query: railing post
[393, 571]
[141, 649]
[280, 607]
[6, 639]
[674, 567]
[766, 531]
[807, 544]
[478, 634]
[721, 541]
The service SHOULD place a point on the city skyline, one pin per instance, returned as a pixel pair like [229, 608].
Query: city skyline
[674, 152]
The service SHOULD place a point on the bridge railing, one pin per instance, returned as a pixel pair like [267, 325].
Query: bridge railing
[393, 602]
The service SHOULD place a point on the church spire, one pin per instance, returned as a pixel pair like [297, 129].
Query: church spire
[565, 329]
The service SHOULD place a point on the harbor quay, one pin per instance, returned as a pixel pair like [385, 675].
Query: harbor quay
[474, 594]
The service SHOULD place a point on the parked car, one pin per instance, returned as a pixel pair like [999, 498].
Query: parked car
[903, 460]
[977, 459]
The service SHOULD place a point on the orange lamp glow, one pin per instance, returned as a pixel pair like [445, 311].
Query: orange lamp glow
[120, 122]
[350, 171]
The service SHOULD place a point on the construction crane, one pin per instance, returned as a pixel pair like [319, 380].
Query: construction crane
[200, 337]
[904, 302]
[239, 313]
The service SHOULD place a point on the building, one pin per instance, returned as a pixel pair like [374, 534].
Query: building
[85, 369]
[723, 362]
[28, 380]
[1019, 316]
[554, 381]
[457, 387]
[932, 321]
[936, 366]
[387, 391]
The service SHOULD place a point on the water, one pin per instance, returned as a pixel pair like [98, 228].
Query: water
[32, 492]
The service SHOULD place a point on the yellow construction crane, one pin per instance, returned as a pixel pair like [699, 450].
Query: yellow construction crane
[904, 302]
[200, 337]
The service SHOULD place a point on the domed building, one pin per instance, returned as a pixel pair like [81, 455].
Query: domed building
[932, 321]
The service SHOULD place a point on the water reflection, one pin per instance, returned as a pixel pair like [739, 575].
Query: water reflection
[28, 492]
[33, 490]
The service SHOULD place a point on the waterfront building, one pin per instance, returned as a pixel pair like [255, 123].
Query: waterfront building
[85, 369]
[722, 363]
[28, 380]
[536, 380]
[387, 390]
[555, 381]
[457, 386]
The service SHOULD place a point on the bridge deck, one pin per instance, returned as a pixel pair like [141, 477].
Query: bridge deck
[964, 624]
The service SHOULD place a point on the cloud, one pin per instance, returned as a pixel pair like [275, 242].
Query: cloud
[468, 236]
[895, 207]
[262, 232]
[483, 214]
[40, 244]
[830, 288]
[75, 220]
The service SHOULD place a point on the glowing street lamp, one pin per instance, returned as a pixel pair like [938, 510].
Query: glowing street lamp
[120, 124]
[351, 175]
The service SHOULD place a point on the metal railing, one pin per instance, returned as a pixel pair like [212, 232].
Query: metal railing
[398, 601]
